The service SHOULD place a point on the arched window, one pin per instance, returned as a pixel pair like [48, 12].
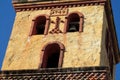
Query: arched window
[52, 55]
[40, 25]
[74, 22]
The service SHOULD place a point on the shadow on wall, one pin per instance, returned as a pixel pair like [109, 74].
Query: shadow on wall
[103, 54]
[107, 55]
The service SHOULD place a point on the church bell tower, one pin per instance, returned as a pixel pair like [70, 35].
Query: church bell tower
[62, 40]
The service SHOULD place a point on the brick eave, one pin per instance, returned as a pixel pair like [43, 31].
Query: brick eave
[39, 5]
[87, 73]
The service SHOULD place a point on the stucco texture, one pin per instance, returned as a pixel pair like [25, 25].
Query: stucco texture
[82, 49]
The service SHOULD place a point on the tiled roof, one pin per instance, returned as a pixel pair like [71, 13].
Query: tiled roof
[89, 73]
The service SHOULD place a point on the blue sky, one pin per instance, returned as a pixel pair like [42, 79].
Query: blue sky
[116, 13]
[7, 16]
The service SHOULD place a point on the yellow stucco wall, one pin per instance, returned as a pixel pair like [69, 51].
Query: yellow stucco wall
[81, 49]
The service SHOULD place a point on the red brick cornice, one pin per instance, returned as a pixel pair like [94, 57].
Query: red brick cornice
[51, 5]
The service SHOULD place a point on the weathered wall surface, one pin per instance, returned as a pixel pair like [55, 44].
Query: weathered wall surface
[81, 49]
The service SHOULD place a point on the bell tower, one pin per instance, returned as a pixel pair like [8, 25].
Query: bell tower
[62, 39]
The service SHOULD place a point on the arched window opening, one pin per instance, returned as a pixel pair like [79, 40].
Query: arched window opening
[40, 25]
[51, 56]
[73, 24]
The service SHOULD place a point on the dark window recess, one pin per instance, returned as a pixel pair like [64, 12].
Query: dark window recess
[51, 56]
[73, 27]
[53, 60]
[40, 29]
[73, 23]
[40, 25]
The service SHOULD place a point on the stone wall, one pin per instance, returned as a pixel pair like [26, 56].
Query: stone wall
[81, 49]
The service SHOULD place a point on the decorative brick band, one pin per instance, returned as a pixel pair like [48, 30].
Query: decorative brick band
[52, 5]
[85, 73]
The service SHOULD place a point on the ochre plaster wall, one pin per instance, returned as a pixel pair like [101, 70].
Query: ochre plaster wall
[81, 49]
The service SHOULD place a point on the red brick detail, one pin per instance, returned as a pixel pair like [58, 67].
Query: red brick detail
[50, 5]
[90, 73]
[56, 29]
[59, 11]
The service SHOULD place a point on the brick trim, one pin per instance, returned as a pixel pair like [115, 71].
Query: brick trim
[80, 73]
[50, 5]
